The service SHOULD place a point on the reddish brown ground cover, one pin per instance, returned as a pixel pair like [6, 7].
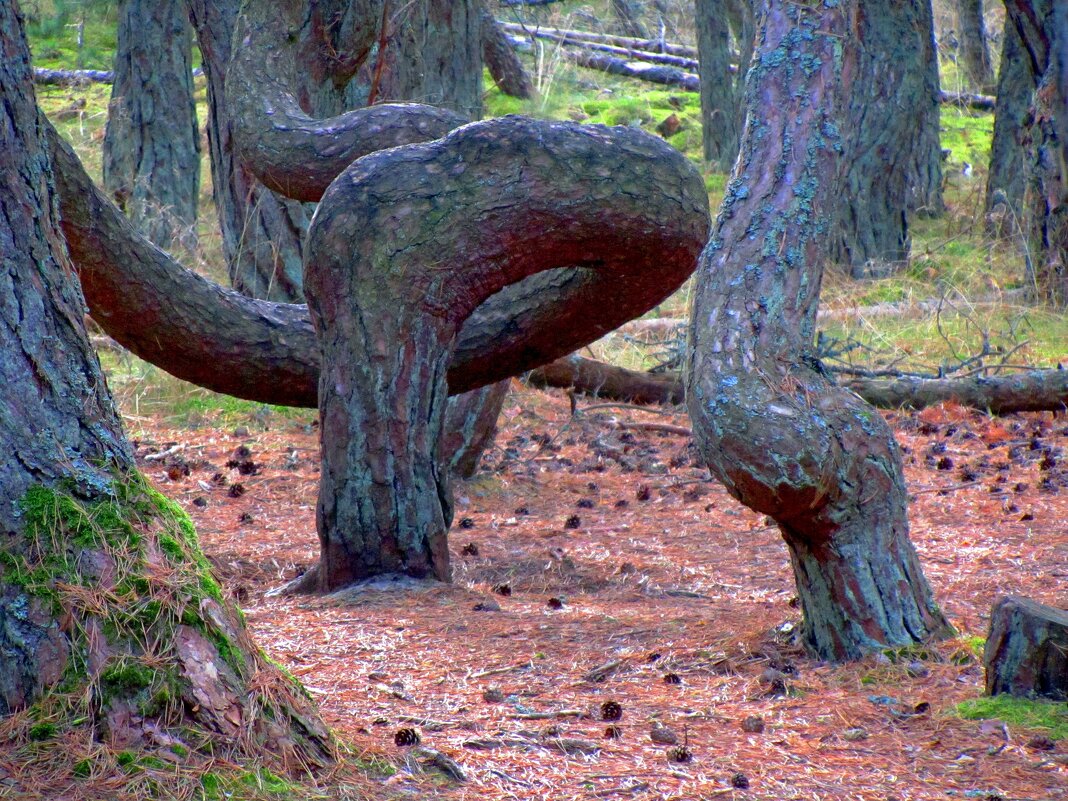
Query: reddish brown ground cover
[655, 571]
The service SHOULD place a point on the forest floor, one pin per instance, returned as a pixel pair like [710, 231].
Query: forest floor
[671, 599]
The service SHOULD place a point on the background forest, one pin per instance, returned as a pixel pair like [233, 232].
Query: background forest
[618, 626]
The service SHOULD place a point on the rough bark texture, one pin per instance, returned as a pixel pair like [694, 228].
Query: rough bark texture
[1026, 651]
[1007, 178]
[781, 437]
[974, 52]
[86, 544]
[470, 426]
[502, 62]
[407, 244]
[261, 232]
[151, 143]
[891, 140]
[719, 102]
[1043, 32]
[432, 55]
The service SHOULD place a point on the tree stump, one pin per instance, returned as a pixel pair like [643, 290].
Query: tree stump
[1027, 650]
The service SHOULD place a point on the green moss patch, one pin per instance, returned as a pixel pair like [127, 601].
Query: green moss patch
[1047, 716]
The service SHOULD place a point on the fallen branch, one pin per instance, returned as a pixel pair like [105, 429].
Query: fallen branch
[1031, 391]
[651, 73]
[682, 431]
[47, 77]
[968, 100]
[682, 62]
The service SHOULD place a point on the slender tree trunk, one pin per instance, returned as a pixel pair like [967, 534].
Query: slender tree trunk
[779, 435]
[112, 621]
[151, 144]
[387, 315]
[1007, 178]
[502, 61]
[470, 426]
[974, 51]
[891, 138]
[719, 101]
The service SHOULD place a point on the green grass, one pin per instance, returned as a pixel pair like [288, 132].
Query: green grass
[1048, 717]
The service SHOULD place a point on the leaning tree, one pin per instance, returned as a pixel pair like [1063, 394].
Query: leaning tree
[772, 426]
[113, 628]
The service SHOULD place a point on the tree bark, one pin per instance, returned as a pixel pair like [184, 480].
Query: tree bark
[1026, 652]
[975, 54]
[151, 143]
[112, 620]
[719, 102]
[892, 147]
[1007, 178]
[1043, 31]
[783, 439]
[629, 13]
[261, 232]
[496, 202]
[591, 377]
[502, 62]
[470, 427]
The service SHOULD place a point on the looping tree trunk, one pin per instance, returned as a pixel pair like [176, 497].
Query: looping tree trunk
[496, 202]
[470, 426]
[779, 435]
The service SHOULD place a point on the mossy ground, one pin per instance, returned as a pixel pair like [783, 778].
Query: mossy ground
[1044, 717]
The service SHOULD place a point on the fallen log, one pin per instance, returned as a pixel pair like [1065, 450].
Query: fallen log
[969, 100]
[651, 73]
[47, 77]
[682, 62]
[1026, 653]
[648, 45]
[1032, 391]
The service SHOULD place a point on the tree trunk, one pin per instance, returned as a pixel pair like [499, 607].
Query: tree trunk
[1007, 178]
[112, 621]
[1043, 31]
[503, 63]
[783, 439]
[151, 143]
[743, 29]
[432, 55]
[261, 232]
[719, 102]
[470, 427]
[387, 314]
[629, 14]
[975, 54]
[1026, 651]
[895, 161]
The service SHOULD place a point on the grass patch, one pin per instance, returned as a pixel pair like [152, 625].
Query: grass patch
[1049, 717]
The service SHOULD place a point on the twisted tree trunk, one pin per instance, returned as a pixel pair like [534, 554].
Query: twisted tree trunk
[112, 622]
[496, 202]
[502, 61]
[779, 435]
[151, 143]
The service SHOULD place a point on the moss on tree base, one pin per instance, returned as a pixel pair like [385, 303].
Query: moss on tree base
[154, 665]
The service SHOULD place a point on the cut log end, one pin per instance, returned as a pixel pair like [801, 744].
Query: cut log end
[1027, 651]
